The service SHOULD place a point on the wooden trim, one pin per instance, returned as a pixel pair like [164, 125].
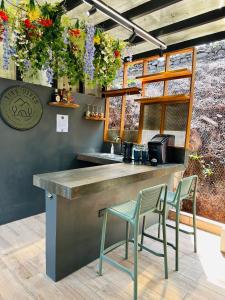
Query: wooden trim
[168, 75]
[141, 124]
[122, 92]
[165, 99]
[188, 128]
[165, 93]
[141, 117]
[201, 222]
[106, 127]
[123, 104]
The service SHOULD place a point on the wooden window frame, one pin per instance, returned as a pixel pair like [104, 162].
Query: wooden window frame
[165, 92]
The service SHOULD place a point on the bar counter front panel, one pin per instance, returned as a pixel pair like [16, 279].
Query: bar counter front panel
[74, 203]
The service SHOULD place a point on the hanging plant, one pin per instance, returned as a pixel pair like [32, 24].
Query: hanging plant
[38, 38]
[107, 58]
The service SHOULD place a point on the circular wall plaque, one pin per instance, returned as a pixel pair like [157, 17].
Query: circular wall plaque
[20, 108]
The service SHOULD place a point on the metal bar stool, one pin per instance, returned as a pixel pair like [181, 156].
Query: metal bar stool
[148, 200]
[186, 189]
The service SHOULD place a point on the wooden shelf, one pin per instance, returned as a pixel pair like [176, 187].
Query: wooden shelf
[122, 92]
[165, 99]
[163, 76]
[62, 104]
[94, 118]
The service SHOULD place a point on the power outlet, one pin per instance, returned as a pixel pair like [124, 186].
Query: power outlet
[101, 212]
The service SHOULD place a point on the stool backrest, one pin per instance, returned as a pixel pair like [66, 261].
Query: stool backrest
[186, 188]
[148, 200]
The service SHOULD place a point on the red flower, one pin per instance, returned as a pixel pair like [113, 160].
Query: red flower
[28, 24]
[45, 22]
[117, 53]
[3, 16]
[75, 32]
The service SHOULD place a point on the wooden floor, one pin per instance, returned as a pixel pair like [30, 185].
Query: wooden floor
[22, 270]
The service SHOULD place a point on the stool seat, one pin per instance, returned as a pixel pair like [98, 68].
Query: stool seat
[147, 201]
[125, 210]
[170, 197]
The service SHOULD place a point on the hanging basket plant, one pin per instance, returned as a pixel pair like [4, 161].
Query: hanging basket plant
[38, 40]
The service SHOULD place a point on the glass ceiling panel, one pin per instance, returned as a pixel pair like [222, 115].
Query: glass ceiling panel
[169, 15]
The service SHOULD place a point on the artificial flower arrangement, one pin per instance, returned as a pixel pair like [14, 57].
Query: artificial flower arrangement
[41, 37]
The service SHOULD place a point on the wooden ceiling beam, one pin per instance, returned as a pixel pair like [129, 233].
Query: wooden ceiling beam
[138, 11]
[71, 4]
[185, 44]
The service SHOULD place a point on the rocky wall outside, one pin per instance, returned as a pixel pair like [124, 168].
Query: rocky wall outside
[208, 121]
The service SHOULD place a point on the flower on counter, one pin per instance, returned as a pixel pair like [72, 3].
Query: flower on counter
[89, 53]
[45, 22]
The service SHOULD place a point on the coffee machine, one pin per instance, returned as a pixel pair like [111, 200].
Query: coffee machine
[158, 147]
[127, 152]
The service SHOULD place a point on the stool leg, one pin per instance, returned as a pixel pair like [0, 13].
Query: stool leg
[165, 246]
[127, 239]
[177, 236]
[194, 226]
[102, 242]
[159, 225]
[142, 233]
[136, 226]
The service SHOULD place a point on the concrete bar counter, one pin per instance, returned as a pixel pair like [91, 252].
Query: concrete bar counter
[75, 201]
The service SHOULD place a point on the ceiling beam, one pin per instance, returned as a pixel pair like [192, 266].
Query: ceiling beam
[138, 11]
[199, 20]
[71, 4]
[186, 44]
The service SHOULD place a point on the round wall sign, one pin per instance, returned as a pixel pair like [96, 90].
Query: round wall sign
[20, 108]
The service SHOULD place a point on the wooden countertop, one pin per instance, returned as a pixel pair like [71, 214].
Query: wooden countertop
[72, 184]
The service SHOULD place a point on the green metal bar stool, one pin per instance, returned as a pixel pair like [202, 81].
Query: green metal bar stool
[148, 200]
[186, 190]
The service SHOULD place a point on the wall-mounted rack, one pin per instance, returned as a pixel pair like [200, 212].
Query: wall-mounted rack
[65, 105]
[122, 92]
[94, 118]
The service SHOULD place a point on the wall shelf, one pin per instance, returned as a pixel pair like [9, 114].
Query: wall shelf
[94, 118]
[165, 99]
[163, 76]
[122, 92]
[62, 104]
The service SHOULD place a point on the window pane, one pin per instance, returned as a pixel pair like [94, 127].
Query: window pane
[114, 117]
[151, 124]
[132, 112]
[176, 122]
[132, 72]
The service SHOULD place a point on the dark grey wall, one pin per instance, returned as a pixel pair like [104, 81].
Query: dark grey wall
[40, 150]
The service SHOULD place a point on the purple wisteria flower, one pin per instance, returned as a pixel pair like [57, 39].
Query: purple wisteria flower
[6, 48]
[26, 64]
[90, 51]
[49, 74]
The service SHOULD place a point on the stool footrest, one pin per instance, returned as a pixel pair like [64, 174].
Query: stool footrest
[181, 230]
[147, 249]
[117, 265]
[114, 246]
[158, 240]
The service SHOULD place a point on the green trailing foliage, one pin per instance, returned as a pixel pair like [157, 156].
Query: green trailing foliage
[41, 38]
